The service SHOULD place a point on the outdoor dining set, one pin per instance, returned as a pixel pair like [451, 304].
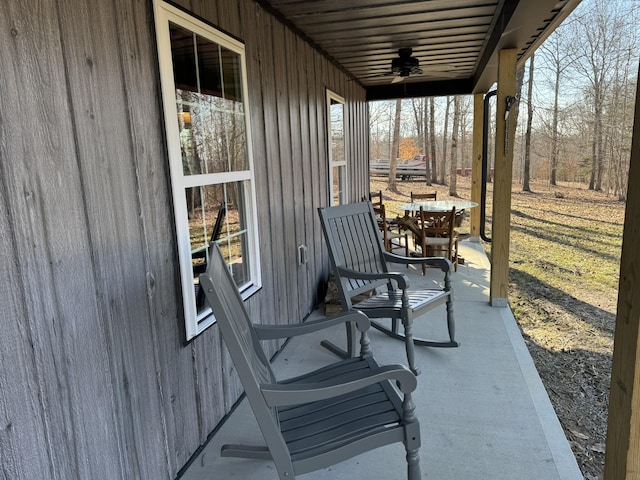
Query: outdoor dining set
[428, 227]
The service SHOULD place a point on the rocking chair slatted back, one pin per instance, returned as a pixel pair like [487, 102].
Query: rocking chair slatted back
[355, 244]
[236, 326]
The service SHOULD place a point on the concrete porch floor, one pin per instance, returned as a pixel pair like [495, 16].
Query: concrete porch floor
[483, 410]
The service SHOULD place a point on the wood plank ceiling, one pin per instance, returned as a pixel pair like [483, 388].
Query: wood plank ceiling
[455, 41]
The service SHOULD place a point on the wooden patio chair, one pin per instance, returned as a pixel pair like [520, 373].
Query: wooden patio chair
[439, 237]
[418, 197]
[321, 418]
[375, 198]
[421, 197]
[359, 262]
[392, 239]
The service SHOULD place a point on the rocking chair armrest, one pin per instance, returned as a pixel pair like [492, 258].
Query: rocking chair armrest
[279, 395]
[270, 332]
[401, 279]
[442, 263]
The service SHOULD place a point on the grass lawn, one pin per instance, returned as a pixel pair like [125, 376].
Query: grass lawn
[564, 268]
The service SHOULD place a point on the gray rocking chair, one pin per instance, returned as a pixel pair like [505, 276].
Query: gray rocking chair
[324, 417]
[359, 263]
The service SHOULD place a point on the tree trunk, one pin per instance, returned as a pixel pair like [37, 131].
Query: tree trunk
[464, 117]
[527, 136]
[445, 140]
[425, 142]
[418, 117]
[597, 163]
[421, 118]
[599, 137]
[395, 149]
[554, 131]
[432, 139]
[592, 177]
[453, 177]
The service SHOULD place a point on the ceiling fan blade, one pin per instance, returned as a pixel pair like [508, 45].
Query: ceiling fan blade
[398, 79]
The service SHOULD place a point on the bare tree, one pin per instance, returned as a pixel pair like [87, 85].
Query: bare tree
[395, 149]
[380, 118]
[425, 143]
[417, 107]
[558, 56]
[465, 111]
[445, 140]
[453, 177]
[527, 136]
[597, 34]
[421, 117]
[619, 119]
[432, 139]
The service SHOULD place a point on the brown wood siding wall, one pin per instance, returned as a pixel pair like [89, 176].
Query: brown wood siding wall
[95, 378]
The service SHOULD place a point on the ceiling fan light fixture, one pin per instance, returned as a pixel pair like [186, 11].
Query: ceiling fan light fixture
[405, 65]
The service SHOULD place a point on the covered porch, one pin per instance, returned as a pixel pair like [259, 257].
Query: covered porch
[99, 377]
[483, 409]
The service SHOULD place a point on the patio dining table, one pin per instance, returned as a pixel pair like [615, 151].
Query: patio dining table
[410, 223]
[437, 205]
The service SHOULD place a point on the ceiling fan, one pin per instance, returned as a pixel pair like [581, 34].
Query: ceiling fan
[404, 65]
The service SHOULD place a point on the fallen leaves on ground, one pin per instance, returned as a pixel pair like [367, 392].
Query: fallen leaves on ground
[564, 267]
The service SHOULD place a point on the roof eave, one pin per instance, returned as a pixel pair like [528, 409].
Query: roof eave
[518, 32]
[393, 91]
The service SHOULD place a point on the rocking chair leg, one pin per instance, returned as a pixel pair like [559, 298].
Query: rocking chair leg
[350, 352]
[450, 320]
[412, 441]
[394, 325]
[408, 342]
[413, 465]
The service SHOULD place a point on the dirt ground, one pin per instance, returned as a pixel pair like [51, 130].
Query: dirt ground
[563, 299]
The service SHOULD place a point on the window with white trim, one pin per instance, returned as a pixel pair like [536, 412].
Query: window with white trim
[337, 157]
[203, 79]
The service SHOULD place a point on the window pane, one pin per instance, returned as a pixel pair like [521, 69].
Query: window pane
[202, 144]
[233, 107]
[231, 77]
[212, 137]
[203, 205]
[209, 70]
[210, 110]
[339, 180]
[184, 59]
[337, 131]
[234, 250]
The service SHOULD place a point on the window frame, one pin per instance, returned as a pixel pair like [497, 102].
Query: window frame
[165, 13]
[342, 164]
